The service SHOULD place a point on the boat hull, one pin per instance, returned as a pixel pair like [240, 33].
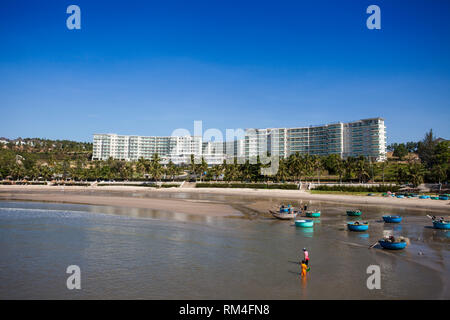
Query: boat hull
[283, 216]
[441, 225]
[392, 245]
[352, 213]
[357, 227]
[304, 223]
[311, 214]
[392, 219]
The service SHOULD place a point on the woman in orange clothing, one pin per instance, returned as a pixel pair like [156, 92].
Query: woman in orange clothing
[304, 269]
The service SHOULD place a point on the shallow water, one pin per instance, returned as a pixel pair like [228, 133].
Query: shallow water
[127, 253]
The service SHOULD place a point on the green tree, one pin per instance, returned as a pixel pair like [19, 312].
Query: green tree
[400, 151]
[416, 172]
[156, 169]
[425, 149]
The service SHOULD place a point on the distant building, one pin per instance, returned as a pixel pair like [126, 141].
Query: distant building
[366, 137]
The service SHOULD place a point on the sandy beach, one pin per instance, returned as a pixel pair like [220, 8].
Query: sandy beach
[94, 196]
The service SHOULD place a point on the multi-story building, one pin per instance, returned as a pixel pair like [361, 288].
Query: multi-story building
[131, 148]
[365, 137]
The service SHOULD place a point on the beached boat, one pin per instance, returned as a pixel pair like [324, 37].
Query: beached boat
[354, 213]
[400, 196]
[312, 214]
[357, 226]
[443, 197]
[304, 223]
[393, 245]
[441, 225]
[284, 215]
[434, 198]
[424, 196]
[392, 219]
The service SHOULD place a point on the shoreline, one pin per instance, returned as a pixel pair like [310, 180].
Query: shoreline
[70, 194]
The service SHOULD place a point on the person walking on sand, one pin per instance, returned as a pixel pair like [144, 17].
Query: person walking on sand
[306, 256]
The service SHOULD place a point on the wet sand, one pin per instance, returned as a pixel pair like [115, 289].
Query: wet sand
[94, 196]
[74, 196]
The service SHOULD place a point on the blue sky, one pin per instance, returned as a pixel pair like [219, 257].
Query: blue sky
[147, 67]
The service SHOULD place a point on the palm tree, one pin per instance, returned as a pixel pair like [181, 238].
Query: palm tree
[339, 168]
[349, 168]
[202, 168]
[172, 170]
[416, 172]
[295, 166]
[361, 169]
[383, 166]
[246, 171]
[156, 169]
[282, 173]
[316, 163]
[142, 166]
[231, 171]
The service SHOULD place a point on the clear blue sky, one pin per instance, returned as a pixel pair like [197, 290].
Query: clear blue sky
[149, 67]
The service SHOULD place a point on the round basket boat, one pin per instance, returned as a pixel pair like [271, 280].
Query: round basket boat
[354, 213]
[304, 223]
[313, 214]
[357, 226]
[443, 197]
[393, 245]
[441, 225]
[424, 197]
[392, 219]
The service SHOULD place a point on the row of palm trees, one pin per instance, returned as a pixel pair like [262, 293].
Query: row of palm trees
[296, 167]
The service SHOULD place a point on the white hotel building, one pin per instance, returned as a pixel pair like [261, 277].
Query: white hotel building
[365, 137]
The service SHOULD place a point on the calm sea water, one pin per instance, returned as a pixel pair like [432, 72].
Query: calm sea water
[148, 254]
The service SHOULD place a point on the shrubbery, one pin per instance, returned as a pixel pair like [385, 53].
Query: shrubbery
[380, 188]
[247, 185]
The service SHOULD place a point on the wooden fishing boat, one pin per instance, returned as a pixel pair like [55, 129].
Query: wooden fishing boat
[312, 214]
[392, 219]
[357, 226]
[284, 215]
[396, 245]
[304, 223]
[354, 213]
[441, 225]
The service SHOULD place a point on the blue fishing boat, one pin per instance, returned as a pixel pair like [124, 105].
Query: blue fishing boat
[434, 198]
[393, 245]
[424, 197]
[312, 214]
[400, 196]
[441, 225]
[443, 197]
[304, 223]
[354, 213]
[392, 219]
[357, 226]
